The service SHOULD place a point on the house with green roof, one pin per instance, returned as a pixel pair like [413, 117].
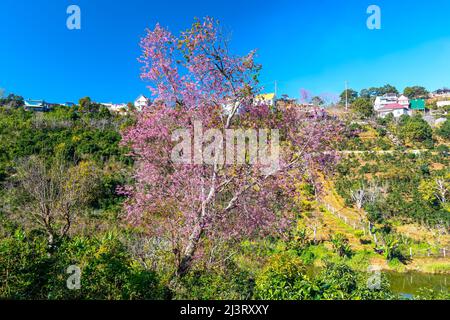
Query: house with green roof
[418, 104]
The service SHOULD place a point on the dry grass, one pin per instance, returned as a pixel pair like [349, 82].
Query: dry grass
[422, 234]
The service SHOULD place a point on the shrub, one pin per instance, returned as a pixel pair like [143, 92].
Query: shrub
[444, 130]
[284, 278]
[341, 245]
[29, 271]
[228, 284]
[338, 281]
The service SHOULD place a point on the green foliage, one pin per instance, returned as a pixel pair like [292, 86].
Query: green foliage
[391, 248]
[204, 284]
[363, 108]
[10, 101]
[415, 129]
[349, 94]
[341, 245]
[430, 294]
[415, 92]
[69, 136]
[373, 92]
[408, 185]
[338, 281]
[284, 278]
[444, 130]
[29, 271]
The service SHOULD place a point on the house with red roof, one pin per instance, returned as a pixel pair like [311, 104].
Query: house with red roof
[391, 103]
[396, 109]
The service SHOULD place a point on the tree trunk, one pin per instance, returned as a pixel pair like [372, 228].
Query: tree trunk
[186, 262]
[51, 244]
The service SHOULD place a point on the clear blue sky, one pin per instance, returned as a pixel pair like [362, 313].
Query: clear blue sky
[313, 44]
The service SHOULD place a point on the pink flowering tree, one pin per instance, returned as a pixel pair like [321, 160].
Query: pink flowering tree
[198, 85]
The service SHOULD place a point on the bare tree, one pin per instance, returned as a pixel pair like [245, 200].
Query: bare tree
[54, 195]
[359, 197]
[366, 194]
[441, 190]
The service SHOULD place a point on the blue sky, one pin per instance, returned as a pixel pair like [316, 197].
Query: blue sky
[313, 44]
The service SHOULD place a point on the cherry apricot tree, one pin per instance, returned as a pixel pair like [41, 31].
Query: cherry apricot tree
[195, 79]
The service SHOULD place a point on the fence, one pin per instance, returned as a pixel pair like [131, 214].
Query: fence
[435, 252]
[355, 224]
[365, 226]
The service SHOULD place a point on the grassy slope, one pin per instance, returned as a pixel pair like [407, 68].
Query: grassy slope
[332, 225]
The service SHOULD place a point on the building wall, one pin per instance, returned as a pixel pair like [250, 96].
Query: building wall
[441, 104]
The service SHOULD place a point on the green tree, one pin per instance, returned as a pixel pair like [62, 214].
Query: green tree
[415, 92]
[12, 100]
[415, 129]
[349, 94]
[108, 270]
[87, 106]
[387, 89]
[284, 278]
[363, 108]
[444, 130]
[368, 93]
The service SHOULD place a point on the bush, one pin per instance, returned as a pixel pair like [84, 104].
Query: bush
[284, 278]
[415, 129]
[430, 294]
[340, 282]
[341, 245]
[444, 130]
[229, 284]
[30, 271]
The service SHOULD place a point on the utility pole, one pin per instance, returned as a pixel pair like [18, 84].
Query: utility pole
[276, 87]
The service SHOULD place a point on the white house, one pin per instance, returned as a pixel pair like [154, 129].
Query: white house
[404, 101]
[391, 103]
[441, 104]
[141, 102]
[36, 105]
[396, 109]
[385, 100]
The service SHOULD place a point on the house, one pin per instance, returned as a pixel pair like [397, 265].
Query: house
[418, 104]
[141, 102]
[391, 103]
[37, 105]
[387, 99]
[441, 93]
[441, 104]
[404, 101]
[267, 99]
[396, 109]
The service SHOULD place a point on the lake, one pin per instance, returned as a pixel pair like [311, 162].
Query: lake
[408, 284]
